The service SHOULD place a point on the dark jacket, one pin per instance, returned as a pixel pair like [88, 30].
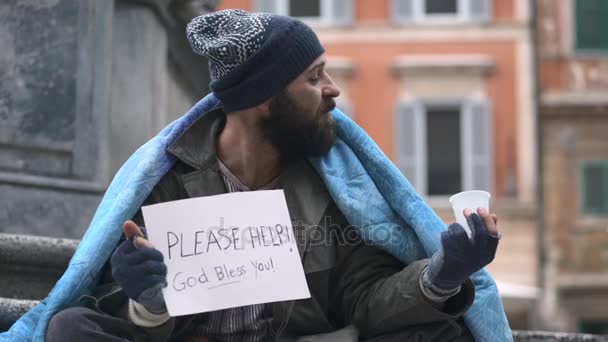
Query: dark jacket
[350, 282]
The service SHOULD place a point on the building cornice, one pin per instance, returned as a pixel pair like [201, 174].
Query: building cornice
[560, 99]
[381, 34]
[435, 64]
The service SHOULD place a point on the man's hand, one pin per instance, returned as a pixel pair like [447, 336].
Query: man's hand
[139, 269]
[460, 256]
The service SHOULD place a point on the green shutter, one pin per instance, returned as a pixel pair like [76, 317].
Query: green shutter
[594, 188]
[597, 326]
[591, 25]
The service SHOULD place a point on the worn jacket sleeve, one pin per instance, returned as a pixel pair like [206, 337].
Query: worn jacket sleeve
[379, 294]
[167, 189]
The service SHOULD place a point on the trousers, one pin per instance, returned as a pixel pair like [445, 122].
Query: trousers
[85, 324]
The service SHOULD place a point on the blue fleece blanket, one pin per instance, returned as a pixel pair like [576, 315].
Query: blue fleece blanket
[368, 188]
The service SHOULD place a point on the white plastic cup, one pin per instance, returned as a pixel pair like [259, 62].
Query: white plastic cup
[472, 199]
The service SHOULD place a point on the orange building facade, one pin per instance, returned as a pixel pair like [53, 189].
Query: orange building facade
[446, 89]
[573, 78]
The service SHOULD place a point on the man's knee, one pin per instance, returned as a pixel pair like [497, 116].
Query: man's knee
[452, 330]
[67, 324]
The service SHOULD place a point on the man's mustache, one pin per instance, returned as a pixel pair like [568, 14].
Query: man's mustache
[329, 105]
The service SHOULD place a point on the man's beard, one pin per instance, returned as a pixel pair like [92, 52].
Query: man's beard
[296, 133]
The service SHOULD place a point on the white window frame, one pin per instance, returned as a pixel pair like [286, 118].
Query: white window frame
[420, 181]
[408, 12]
[462, 15]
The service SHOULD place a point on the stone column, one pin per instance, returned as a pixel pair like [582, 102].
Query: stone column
[83, 83]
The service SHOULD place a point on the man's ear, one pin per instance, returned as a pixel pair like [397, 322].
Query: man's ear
[263, 109]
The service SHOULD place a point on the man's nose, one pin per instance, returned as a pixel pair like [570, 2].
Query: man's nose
[331, 88]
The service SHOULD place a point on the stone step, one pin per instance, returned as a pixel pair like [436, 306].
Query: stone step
[31, 265]
[24, 259]
[29, 268]
[29, 250]
[11, 309]
[546, 336]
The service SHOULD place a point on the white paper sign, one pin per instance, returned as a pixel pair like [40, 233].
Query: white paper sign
[226, 251]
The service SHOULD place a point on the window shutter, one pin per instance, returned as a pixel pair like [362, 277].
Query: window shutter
[591, 26]
[342, 12]
[402, 11]
[266, 6]
[409, 138]
[480, 10]
[477, 145]
[595, 188]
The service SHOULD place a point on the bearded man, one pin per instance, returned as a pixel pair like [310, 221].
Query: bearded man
[277, 97]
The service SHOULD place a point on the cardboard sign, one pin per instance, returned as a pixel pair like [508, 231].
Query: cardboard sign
[225, 251]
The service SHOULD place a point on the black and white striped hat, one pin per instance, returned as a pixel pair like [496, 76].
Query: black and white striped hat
[252, 56]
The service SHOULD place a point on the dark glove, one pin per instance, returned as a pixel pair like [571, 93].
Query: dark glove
[141, 273]
[460, 256]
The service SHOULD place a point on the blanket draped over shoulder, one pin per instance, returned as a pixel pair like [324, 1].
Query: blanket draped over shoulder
[368, 188]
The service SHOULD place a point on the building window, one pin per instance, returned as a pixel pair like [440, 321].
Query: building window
[598, 327]
[444, 147]
[441, 11]
[334, 12]
[304, 9]
[444, 163]
[594, 187]
[591, 25]
[441, 7]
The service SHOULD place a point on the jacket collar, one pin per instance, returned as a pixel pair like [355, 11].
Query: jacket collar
[305, 194]
[196, 146]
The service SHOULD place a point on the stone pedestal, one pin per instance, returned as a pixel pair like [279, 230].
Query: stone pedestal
[53, 105]
[83, 84]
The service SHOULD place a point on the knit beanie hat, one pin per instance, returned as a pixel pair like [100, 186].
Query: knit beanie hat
[252, 56]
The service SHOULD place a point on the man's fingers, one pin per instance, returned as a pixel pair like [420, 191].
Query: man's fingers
[495, 219]
[488, 220]
[132, 230]
[141, 242]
